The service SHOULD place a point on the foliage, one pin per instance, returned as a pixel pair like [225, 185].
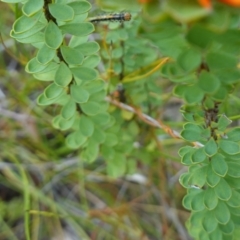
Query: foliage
[101, 91]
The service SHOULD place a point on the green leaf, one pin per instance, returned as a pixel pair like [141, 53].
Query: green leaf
[91, 152]
[210, 198]
[25, 23]
[234, 169]
[33, 39]
[55, 121]
[33, 66]
[228, 76]
[193, 94]
[53, 35]
[174, 72]
[191, 132]
[223, 190]
[233, 182]
[43, 100]
[45, 54]
[189, 59]
[84, 73]
[65, 124]
[187, 200]
[219, 166]
[61, 12]
[107, 152]
[235, 214]
[209, 222]
[229, 147]
[234, 134]
[220, 60]
[78, 29]
[227, 228]
[63, 75]
[88, 48]
[179, 90]
[193, 127]
[13, 1]
[234, 201]
[200, 36]
[94, 86]
[216, 234]
[221, 94]
[197, 202]
[75, 140]
[53, 91]
[91, 108]
[212, 178]
[79, 94]
[187, 158]
[117, 166]
[86, 126]
[222, 213]
[80, 7]
[46, 75]
[91, 61]
[199, 155]
[198, 177]
[223, 122]
[31, 7]
[71, 55]
[195, 222]
[208, 82]
[69, 109]
[184, 150]
[110, 140]
[184, 179]
[98, 135]
[101, 119]
[99, 96]
[37, 28]
[75, 41]
[211, 147]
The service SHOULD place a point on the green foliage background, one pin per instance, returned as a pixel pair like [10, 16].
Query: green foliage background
[92, 150]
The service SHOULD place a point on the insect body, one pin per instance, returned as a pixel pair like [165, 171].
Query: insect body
[112, 17]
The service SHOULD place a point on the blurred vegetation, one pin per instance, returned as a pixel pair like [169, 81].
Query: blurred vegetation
[47, 190]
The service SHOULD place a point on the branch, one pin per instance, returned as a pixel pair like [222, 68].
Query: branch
[149, 120]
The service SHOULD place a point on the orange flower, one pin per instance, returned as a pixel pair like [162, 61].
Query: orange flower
[205, 3]
[235, 3]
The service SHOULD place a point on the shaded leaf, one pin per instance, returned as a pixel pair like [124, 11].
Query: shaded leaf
[78, 29]
[53, 35]
[229, 147]
[79, 94]
[71, 55]
[63, 75]
[219, 166]
[223, 190]
[222, 213]
[86, 126]
[68, 109]
[61, 12]
[31, 7]
[210, 198]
